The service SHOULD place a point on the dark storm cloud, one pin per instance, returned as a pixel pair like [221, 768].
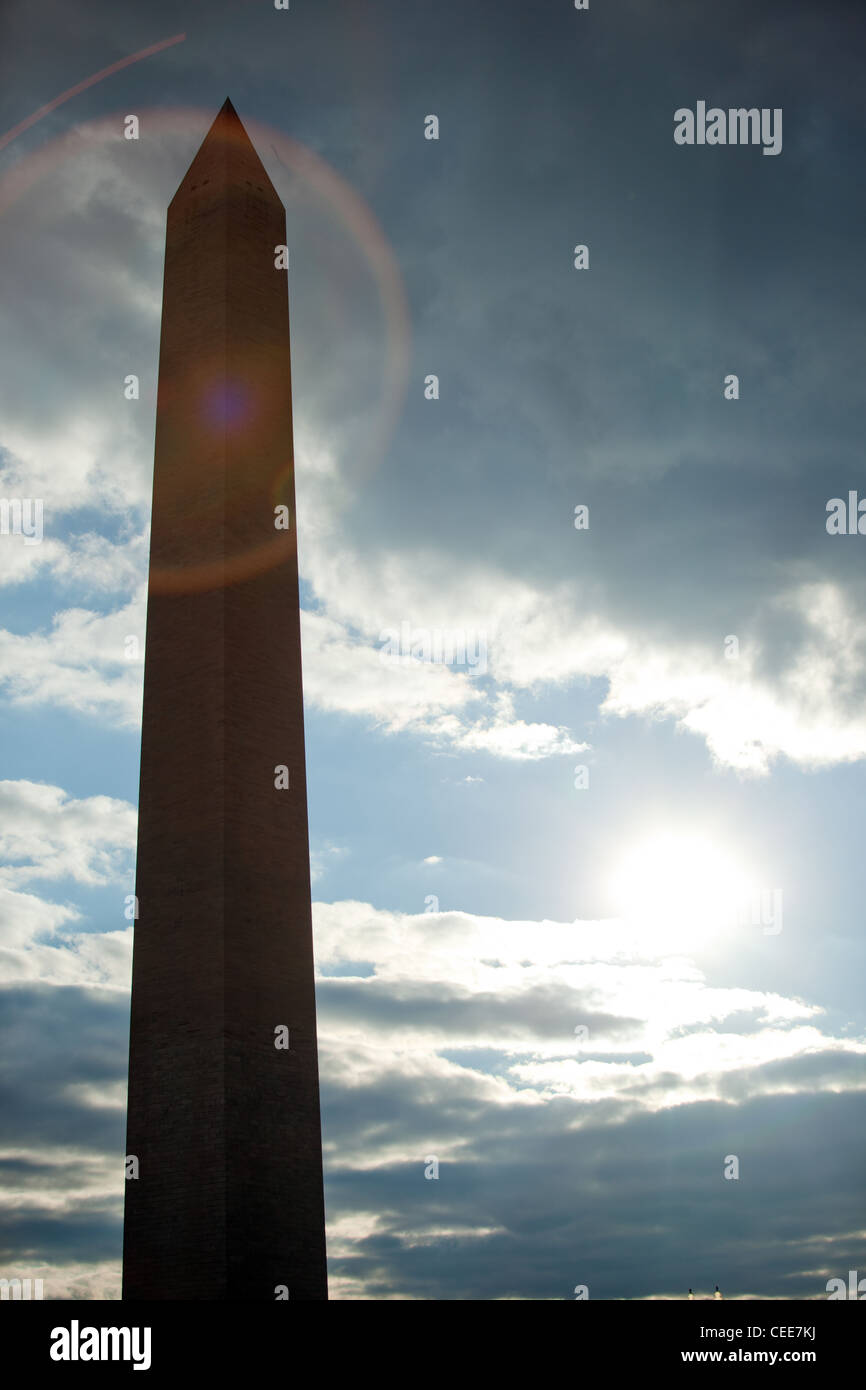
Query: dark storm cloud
[605, 386]
[560, 386]
[632, 1209]
[53, 1038]
[819, 1071]
[549, 1011]
[91, 1231]
[61, 1170]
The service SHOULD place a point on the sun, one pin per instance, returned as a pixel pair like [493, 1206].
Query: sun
[683, 888]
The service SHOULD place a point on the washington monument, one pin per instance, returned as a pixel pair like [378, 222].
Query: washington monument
[224, 1155]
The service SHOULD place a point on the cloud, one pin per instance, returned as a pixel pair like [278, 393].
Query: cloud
[80, 663]
[562, 1160]
[750, 711]
[321, 856]
[48, 836]
[537, 1060]
[565, 1156]
[525, 990]
[565, 609]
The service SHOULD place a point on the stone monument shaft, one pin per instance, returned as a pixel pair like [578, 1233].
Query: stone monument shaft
[223, 1117]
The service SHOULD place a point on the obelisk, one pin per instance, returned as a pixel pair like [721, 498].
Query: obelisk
[224, 1192]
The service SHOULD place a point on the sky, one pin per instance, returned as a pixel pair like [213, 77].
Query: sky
[587, 906]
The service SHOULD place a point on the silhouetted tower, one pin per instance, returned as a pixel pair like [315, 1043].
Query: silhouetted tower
[223, 1120]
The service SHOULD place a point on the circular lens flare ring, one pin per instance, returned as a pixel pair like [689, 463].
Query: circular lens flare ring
[320, 182]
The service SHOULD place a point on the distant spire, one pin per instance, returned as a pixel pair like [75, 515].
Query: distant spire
[717, 1294]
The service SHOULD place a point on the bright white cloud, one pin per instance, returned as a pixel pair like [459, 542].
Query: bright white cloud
[656, 1033]
[80, 663]
[46, 836]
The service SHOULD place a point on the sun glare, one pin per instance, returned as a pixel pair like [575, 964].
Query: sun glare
[685, 889]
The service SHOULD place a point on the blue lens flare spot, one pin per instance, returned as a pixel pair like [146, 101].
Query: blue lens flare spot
[228, 404]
